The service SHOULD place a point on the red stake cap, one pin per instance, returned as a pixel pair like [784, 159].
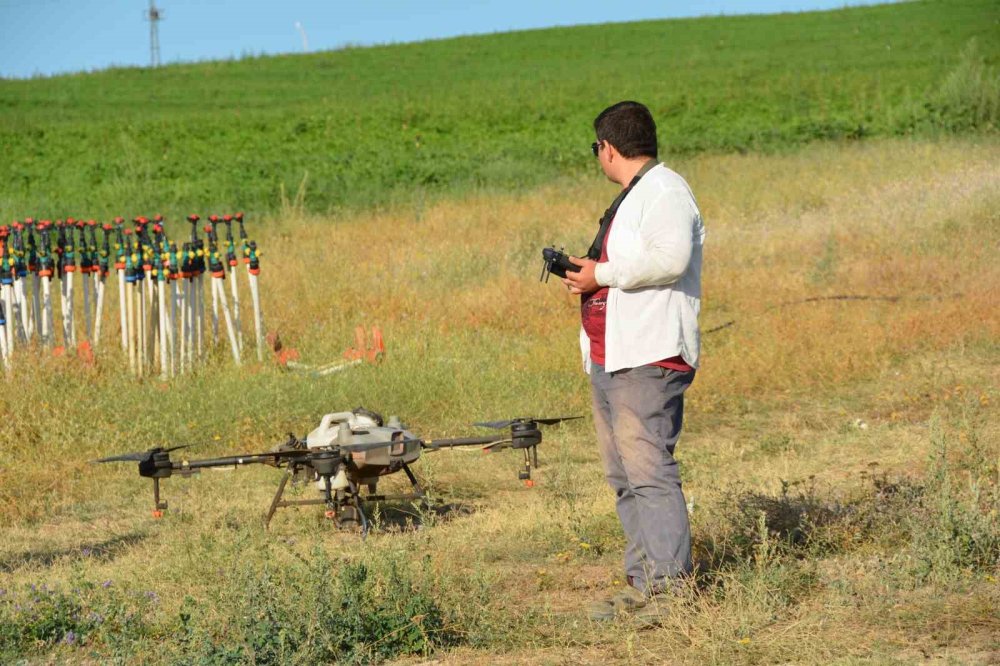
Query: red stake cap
[227, 218]
[119, 219]
[193, 218]
[158, 218]
[207, 229]
[106, 226]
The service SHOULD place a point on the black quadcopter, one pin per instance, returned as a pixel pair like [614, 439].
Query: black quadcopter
[348, 451]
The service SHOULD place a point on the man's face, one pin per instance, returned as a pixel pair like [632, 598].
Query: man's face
[604, 157]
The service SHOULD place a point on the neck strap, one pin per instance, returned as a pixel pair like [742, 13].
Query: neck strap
[596, 247]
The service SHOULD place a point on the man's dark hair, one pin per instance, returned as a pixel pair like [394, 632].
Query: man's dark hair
[629, 127]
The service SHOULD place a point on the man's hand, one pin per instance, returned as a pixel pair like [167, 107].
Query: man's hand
[583, 281]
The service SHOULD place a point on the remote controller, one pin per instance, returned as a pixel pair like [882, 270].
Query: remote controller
[556, 262]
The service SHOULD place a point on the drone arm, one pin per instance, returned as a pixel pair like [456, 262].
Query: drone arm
[435, 444]
[235, 461]
[227, 461]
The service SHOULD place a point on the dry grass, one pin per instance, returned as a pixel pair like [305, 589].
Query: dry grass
[833, 391]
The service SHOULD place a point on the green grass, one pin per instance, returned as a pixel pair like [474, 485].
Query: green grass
[363, 127]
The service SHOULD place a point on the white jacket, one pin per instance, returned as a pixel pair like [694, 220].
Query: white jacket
[654, 274]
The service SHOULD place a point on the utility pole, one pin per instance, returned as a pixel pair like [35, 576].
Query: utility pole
[153, 16]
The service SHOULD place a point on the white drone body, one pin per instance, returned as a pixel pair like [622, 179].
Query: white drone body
[344, 429]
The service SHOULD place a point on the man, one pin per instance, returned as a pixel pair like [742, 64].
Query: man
[640, 290]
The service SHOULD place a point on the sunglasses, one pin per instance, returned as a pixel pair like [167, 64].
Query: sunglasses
[595, 147]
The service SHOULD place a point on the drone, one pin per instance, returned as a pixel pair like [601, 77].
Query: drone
[348, 451]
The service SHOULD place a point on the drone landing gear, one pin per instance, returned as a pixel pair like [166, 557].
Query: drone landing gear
[159, 506]
[530, 460]
[344, 507]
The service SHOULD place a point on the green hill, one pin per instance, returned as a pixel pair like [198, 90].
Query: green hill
[373, 125]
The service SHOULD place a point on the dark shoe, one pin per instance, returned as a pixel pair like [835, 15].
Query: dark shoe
[654, 613]
[625, 600]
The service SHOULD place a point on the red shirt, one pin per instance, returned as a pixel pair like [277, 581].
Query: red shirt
[593, 311]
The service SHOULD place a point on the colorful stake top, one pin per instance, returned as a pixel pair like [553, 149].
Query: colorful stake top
[119, 244]
[215, 264]
[32, 251]
[85, 258]
[175, 259]
[253, 258]
[104, 255]
[230, 242]
[17, 250]
[69, 249]
[45, 262]
[6, 262]
[132, 272]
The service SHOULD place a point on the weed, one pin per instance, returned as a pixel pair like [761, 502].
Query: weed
[783, 523]
[969, 97]
[37, 617]
[775, 443]
[323, 611]
[955, 531]
[824, 272]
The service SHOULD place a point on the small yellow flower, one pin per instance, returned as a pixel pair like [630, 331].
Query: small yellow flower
[217, 437]
[584, 545]
[744, 641]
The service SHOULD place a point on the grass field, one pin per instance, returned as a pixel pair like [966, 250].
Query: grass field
[841, 458]
[373, 126]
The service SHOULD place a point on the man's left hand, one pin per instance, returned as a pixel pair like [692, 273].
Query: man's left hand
[583, 281]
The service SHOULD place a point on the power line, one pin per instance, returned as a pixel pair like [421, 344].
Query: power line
[837, 297]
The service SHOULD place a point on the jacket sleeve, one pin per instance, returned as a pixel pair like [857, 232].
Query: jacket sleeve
[666, 235]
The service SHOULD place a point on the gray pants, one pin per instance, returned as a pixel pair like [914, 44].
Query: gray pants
[638, 415]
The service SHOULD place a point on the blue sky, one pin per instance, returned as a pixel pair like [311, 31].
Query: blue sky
[55, 36]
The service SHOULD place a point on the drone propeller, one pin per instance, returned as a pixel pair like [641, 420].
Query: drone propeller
[498, 425]
[524, 435]
[139, 456]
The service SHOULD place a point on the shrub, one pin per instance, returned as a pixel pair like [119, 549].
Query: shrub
[954, 531]
[39, 616]
[322, 612]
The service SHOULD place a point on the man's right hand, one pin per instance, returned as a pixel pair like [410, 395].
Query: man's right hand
[582, 281]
